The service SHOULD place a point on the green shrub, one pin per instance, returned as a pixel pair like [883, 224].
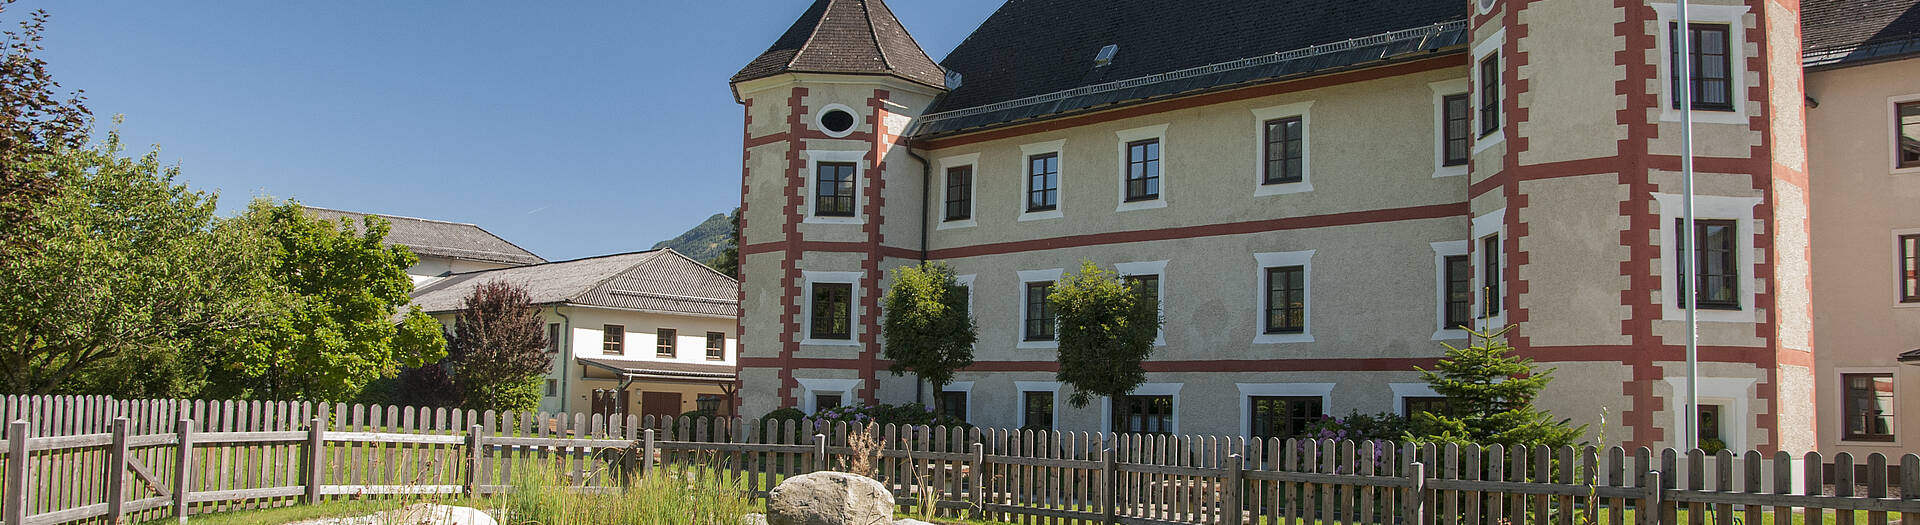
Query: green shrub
[885, 414]
[784, 414]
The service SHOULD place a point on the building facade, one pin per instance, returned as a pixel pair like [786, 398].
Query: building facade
[648, 333]
[1320, 193]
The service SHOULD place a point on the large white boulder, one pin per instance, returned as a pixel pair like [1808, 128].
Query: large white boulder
[829, 498]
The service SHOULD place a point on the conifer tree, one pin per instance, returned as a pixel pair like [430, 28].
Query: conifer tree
[1491, 392]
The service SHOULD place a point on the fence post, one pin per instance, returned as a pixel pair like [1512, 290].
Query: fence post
[977, 478]
[117, 471]
[819, 452]
[1651, 510]
[476, 452]
[1416, 497]
[183, 464]
[1234, 512]
[646, 453]
[316, 445]
[16, 504]
[1110, 485]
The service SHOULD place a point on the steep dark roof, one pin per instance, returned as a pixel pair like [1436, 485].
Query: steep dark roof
[1844, 32]
[846, 36]
[452, 240]
[1038, 47]
[656, 281]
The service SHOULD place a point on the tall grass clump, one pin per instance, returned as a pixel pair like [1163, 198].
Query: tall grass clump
[672, 494]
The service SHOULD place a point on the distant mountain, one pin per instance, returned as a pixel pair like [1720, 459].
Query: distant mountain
[703, 242]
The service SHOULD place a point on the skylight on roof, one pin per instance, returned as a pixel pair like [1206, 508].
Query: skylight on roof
[953, 80]
[1105, 56]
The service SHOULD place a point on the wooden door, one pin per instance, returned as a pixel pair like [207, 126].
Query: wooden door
[660, 405]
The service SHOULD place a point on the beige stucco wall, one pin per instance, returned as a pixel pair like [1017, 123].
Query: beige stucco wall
[1570, 72]
[1858, 202]
[1573, 269]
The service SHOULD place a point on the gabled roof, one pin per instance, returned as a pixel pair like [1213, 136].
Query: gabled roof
[1847, 32]
[846, 36]
[452, 240]
[661, 281]
[1030, 49]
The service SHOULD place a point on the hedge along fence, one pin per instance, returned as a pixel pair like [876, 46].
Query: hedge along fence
[156, 459]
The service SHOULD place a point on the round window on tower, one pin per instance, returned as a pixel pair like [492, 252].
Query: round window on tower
[836, 120]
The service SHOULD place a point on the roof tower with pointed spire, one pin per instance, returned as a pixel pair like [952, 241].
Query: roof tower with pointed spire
[859, 37]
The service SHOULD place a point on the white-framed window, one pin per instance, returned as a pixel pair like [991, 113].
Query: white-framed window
[1453, 289]
[836, 120]
[1489, 261]
[1042, 175]
[1489, 92]
[1403, 391]
[967, 281]
[959, 180]
[1036, 319]
[1154, 274]
[1738, 211]
[829, 321]
[1452, 126]
[1039, 400]
[1731, 19]
[1730, 394]
[1283, 152]
[1906, 268]
[1154, 407]
[1253, 394]
[553, 388]
[1903, 114]
[822, 186]
[1284, 296]
[812, 391]
[957, 400]
[1143, 173]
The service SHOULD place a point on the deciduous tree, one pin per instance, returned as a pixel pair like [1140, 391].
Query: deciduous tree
[499, 349]
[35, 119]
[927, 326]
[349, 322]
[119, 271]
[1106, 331]
[728, 262]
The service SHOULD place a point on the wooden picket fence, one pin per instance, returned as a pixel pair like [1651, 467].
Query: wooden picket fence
[98, 460]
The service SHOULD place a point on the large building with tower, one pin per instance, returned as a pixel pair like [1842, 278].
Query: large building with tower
[1321, 191]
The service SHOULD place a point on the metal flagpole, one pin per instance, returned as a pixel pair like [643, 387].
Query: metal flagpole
[1683, 53]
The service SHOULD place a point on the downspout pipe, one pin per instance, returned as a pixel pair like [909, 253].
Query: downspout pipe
[926, 207]
[566, 349]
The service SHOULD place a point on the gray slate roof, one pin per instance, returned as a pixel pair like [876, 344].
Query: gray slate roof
[1910, 356]
[846, 36]
[1848, 32]
[1033, 48]
[453, 240]
[658, 281]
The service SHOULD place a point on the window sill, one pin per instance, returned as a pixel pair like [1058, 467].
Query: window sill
[1283, 188]
[1272, 339]
[829, 342]
[825, 219]
[1041, 215]
[1704, 116]
[1142, 204]
[1037, 345]
[1449, 334]
[1450, 171]
[1909, 170]
[955, 225]
[1483, 142]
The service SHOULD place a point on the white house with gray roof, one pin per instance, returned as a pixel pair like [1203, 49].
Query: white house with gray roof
[445, 248]
[603, 315]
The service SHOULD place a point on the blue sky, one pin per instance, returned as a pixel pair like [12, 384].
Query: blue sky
[594, 128]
